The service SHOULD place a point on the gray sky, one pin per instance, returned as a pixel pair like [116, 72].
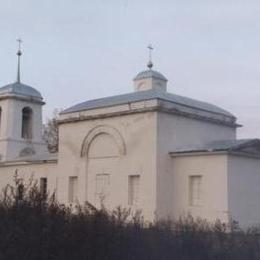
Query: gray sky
[78, 50]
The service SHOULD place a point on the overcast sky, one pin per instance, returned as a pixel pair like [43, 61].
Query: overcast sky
[82, 49]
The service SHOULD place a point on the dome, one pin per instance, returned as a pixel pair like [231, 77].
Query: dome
[20, 89]
[150, 74]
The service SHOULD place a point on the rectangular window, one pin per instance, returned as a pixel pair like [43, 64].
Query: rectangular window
[73, 189]
[102, 187]
[133, 189]
[43, 186]
[195, 190]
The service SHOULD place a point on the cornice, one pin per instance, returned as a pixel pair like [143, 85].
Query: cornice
[80, 118]
[22, 98]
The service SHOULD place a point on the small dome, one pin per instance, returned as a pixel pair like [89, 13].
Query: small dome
[20, 89]
[150, 74]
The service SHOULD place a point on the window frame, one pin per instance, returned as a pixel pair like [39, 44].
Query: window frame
[132, 200]
[195, 190]
[72, 191]
[102, 196]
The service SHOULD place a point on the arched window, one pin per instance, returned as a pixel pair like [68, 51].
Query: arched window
[27, 115]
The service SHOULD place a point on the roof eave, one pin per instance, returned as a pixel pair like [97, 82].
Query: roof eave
[147, 77]
[23, 98]
[230, 151]
[70, 110]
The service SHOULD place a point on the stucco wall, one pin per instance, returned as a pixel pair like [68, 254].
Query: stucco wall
[213, 169]
[25, 171]
[177, 132]
[244, 189]
[14, 123]
[11, 142]
[138, 132]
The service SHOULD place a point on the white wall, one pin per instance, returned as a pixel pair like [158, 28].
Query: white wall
[11, 142]
[138, 130]
[244, 189]
[25, 171]
[12, 119]
[149, 137]
[213, 169]
[175, 132]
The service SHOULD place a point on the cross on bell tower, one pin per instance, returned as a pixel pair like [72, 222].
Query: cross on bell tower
[19, 54]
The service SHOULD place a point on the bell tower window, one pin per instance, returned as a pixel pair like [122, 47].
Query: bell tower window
[27, 114]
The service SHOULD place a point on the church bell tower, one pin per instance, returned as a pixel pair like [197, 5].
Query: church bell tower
[20, 120]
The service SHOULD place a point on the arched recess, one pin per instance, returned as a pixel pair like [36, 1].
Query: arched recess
[99, 130]
[27, 123]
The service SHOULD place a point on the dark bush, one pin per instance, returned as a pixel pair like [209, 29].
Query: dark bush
[34, 227]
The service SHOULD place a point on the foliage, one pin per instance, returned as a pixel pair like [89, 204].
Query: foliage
[33, 226]
[51, 132]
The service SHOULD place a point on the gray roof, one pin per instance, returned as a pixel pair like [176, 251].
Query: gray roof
[215, 146]
[20, 89]
[150, 74]
[146, 95]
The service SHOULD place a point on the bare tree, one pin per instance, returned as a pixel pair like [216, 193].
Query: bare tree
[51, 132]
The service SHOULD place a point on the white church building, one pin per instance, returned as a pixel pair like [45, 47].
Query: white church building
[152, 150]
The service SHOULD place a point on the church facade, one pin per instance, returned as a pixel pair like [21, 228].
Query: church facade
[148, 150]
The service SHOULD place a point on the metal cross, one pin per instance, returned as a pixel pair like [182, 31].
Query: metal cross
[19, 43]
[150, 47]
[19, 54]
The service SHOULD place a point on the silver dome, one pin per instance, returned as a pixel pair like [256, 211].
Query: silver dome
[20, 89]
[150, 74]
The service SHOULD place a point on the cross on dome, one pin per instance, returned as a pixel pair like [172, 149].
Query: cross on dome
[150, 63]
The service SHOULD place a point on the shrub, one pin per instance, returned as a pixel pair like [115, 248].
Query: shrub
[33, 226]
